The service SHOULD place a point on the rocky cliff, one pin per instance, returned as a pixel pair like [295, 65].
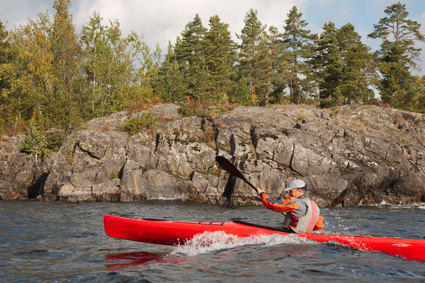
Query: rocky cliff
[349, 156]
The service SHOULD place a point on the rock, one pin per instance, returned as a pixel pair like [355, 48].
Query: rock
[106, 191]
[9, 191]
[355, 155]
[150, 184]
[70, 193]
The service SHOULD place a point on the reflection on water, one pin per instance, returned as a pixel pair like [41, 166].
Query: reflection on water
[66, 242]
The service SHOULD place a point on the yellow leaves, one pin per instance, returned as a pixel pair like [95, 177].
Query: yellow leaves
[37, 74]
[6, 71]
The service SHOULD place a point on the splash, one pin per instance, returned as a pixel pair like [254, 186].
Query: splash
[209, 242]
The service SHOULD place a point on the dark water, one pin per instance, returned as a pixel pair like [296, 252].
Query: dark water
[63, 242]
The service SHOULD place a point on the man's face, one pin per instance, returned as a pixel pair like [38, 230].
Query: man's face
[295, 192]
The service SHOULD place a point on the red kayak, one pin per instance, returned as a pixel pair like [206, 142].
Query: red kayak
[173, 233]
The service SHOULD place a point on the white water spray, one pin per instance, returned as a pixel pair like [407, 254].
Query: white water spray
[209, 242]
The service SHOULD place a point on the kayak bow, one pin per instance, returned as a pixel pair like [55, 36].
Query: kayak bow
[172, 233]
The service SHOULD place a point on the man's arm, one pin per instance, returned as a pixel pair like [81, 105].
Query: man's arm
[278, 205]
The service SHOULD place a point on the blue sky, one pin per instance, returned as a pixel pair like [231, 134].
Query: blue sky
[163, 20]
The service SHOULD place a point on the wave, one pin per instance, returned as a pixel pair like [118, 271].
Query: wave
[209, 242]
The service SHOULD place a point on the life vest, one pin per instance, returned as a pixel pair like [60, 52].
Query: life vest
[305, 224]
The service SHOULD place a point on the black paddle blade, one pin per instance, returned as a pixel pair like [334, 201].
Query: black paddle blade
[229, 167]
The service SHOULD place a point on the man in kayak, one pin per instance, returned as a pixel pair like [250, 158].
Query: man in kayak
[302, 214]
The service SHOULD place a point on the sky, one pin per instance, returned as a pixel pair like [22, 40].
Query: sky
[161, 21]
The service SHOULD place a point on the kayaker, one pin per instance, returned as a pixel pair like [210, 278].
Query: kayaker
[302, 214]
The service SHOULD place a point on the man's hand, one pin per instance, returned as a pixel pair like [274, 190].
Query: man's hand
[259, 191]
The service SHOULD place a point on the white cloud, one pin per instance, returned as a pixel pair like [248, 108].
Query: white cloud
[163, 20]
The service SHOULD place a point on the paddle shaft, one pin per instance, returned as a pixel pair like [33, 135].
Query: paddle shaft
[249, 183]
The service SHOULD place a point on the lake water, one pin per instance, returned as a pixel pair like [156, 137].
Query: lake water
[65, 242]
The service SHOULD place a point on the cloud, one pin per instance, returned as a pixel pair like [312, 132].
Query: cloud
[163, 20]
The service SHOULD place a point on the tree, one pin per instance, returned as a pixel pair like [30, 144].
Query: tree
[7, 56]
[344, 67]
[322, 51]
[300, 45]
[253, 58]
[219, 54]
[64, 44]
[171, 85]
[65, 48]
[277, 66]
[331, 74]
[188, 52]
[358, 69]
[397, 54]
[34, 75]
[113, 80]
[35, 143]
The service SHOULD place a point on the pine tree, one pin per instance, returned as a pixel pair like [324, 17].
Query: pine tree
[346, 38]
[171, 85]
[173, 88]
[300, 44]
[344, 67]
[358, 71]
[276, 68]
[397, 54]
[189, 52]
[331, 73]
[357, 75]
[396, 81]
[219, 53]
[321, 50]
[253, 58]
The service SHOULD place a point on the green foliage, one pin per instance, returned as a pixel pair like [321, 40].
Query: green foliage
[7, 56]
[194, 107]
[146, 121]
[300, 47]
[397, 55]
[222, 110]
[345, 67]
[54, 78]
[243, 93]
[189, 52]
[55, 140]
[35, 143]
[109, 61]
[253, 58]
[219, 54]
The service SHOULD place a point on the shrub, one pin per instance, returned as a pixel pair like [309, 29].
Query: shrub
[139, 124]
[55, 140]
[194, 107]
[35, 143]
[222, 110]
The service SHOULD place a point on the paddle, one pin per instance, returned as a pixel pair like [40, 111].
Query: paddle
[229, 167]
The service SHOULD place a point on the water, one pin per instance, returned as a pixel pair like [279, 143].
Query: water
[65, 242]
